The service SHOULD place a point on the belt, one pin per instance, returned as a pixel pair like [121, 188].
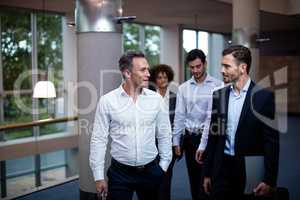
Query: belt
[133, 168]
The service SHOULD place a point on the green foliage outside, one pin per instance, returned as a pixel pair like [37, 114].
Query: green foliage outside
[132, 41]
[15, 47]
[131, 37]
[152, 44]
[16, 54]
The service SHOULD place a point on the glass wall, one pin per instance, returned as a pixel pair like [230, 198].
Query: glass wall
[15, 59]
[145, 38]
[211, 44]
[32, 50]
[54, 167]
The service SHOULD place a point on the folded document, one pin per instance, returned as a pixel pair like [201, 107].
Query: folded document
[255, 169]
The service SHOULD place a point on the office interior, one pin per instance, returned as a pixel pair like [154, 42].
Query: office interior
[76, 44]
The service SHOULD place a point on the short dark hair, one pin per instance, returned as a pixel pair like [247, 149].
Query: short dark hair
[194, 54]
[125, 61]
[241, 54]
[156, 69]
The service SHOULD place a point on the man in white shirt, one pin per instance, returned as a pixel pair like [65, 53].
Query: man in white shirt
[134, 117]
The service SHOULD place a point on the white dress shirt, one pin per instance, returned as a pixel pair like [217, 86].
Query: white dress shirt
[166, 99]
[133, 127]
[193, 108]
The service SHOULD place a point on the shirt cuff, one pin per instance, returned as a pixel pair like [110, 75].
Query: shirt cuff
[202, 146]
[98, 175]
[164, 165]
[176, 141]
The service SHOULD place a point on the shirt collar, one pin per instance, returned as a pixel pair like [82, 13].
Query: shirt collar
[123, 93]
[207, 79]
[192, 80]
[167, 92]
[245, 88]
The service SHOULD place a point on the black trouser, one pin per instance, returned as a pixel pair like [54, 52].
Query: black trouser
[229, 184]
[165, 188]
[190, 146]
[124, 180]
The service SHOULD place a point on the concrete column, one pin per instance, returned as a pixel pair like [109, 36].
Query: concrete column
[246, 29]
[70, 70]
[170, 49]
[69, 100]
[99, 49]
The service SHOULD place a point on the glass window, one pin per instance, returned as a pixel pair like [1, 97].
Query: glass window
[16, 62]
[218, 43]
[145, 38]
[58, 165]
[15, 47]
[20, 175]
[203, 41]
[189, 43]
[212, 44]
[189, 40]
[131, 37]
[27, 173]
[53, 167]
[49, 31]
[152, 44]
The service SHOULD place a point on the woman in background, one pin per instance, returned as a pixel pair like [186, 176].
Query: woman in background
[161, 76]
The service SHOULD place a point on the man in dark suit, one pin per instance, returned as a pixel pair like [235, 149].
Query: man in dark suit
[236, 131]
[161, 76]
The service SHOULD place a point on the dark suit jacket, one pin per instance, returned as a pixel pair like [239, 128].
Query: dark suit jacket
[253, 137]
[172, 105]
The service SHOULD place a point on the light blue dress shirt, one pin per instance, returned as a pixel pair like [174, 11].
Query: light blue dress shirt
[193, 108]
[235, 105]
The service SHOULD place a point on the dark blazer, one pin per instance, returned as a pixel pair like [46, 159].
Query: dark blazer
[172, 105]
[253, 137]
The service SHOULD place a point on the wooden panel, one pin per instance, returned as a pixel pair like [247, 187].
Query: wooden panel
[270, 64]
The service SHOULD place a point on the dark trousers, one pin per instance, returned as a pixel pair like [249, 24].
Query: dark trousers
[229, 184]
[165, 187]
[124, 180]
[190, 146]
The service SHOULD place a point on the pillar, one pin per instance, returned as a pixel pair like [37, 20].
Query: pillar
[171, 50]
[246, 29]
[99, 47]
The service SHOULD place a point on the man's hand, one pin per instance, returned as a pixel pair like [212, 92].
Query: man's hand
[177, 151]
[207, 185]
[262, 189]
[101, 188]
[199, 156]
